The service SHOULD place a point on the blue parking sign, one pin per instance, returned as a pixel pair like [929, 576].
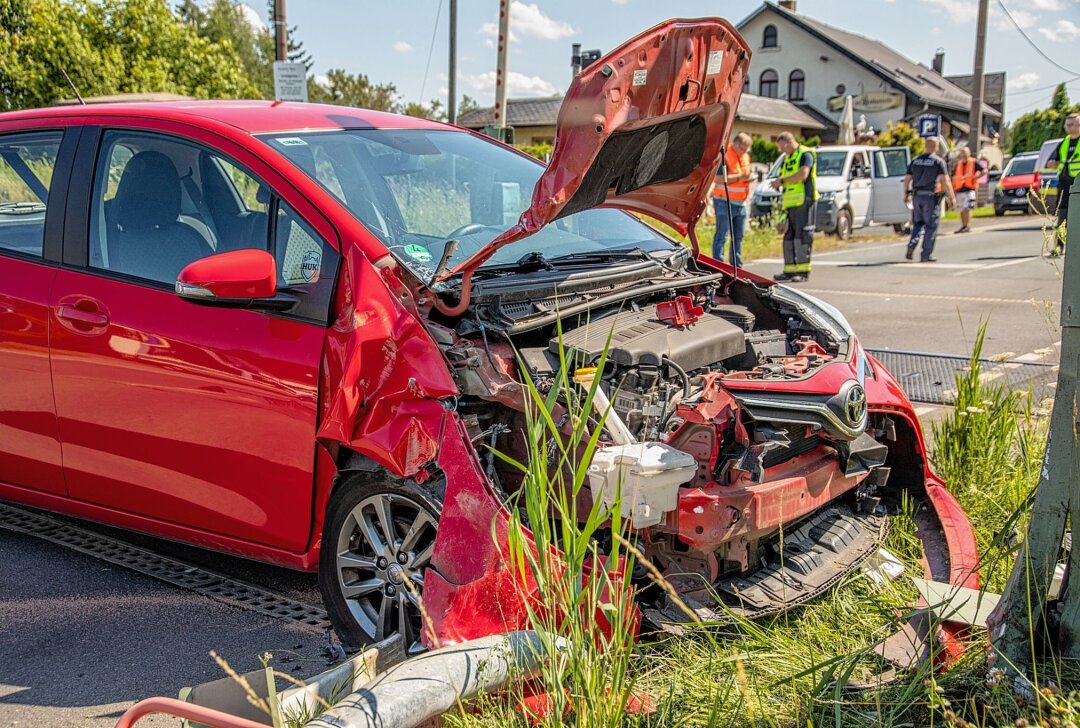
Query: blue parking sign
[929, 126]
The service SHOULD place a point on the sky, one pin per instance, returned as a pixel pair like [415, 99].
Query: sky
[406, 42]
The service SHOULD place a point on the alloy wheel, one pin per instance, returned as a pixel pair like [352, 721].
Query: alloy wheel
[383, 547]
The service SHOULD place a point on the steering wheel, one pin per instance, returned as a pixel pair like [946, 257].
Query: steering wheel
[467, 229]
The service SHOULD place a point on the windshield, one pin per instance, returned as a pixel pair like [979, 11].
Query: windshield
[1021, 165]
[415, 189]
[829, 164]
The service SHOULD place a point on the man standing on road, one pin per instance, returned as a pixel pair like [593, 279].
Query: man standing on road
[965, 185]
[924, 174]
[1067, 161]
[731, 198]
[798, 182]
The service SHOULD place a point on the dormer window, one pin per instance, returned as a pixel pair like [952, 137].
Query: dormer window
[768, 38]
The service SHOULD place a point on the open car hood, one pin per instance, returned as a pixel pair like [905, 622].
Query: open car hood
[642, 129]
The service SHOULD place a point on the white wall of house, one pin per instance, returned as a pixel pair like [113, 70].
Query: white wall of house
[797, 49]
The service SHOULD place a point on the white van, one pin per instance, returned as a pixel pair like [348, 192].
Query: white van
[859, 185]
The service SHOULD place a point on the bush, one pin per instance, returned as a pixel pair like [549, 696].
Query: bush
[901, 135]
[541, 151]
[763, 151]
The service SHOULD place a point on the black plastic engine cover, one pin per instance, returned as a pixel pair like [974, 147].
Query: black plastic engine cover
[640, 338]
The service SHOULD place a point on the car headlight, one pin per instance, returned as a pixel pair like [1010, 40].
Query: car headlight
[822, 315]
[827, 196]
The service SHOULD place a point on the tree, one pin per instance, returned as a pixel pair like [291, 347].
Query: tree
[763, 151]
[1031, 130]
[109, 47]
[345, 89]
[901, 135]
[433, 110]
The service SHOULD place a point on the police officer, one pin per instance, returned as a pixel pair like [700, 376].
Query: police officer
[1067, 161]
[798, 182]
[926, 174]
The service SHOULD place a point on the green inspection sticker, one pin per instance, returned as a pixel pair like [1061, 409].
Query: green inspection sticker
[418, 252]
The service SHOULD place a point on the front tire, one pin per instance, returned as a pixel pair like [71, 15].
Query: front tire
[843, 224]
[379, 534]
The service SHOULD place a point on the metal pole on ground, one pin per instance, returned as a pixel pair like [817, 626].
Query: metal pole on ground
[281, 33]
[1021, 615]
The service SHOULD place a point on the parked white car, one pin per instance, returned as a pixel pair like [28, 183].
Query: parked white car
[859, 185]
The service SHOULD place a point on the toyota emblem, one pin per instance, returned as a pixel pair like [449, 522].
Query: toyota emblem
[855, 404]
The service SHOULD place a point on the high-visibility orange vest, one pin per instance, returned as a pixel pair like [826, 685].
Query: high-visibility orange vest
[965, 176]
[737, 164]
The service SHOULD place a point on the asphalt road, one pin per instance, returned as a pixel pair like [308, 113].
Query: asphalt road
[997, 272]
[81, 640]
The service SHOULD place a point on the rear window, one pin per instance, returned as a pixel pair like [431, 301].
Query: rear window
[1021, 165]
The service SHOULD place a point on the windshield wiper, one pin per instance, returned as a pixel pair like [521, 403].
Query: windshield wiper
[21, 208]
[632, 253]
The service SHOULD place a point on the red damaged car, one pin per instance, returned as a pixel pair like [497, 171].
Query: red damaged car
[287, 332]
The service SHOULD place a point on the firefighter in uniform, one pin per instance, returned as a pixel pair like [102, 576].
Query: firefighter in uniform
[1067, 162]
[799, 195]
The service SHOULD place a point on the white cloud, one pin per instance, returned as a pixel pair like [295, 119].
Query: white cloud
[489, 43]
[1062, 32]
[957, 11]
[1023, 81]
[620, 2]
[252, 17]
[1022, 17]
[403, 47]
[321, 79]
[517, 84]
[1053, 6]
[527, 19]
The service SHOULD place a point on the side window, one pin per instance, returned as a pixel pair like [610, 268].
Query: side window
[304, 261]
[27, 162]
[160, 203]
[890, 163]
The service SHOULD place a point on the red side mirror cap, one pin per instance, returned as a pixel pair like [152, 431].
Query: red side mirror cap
[238, 275]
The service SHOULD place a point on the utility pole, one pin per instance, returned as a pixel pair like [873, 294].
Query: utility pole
[977, 90]
[451, 103]
[281, 33]
[500, 70]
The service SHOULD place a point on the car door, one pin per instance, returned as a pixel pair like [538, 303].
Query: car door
[34, 166]
[887, 190]
[194, 414]
[859, 188]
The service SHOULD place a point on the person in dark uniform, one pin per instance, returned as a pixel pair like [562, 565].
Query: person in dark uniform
[798, 182]
[1066, 160]
[926, 174]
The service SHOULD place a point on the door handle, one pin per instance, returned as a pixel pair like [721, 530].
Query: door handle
[90, 319]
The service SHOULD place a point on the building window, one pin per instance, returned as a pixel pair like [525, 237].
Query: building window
[768, 38]
[746, 84]
[796, 88]
[769, 84]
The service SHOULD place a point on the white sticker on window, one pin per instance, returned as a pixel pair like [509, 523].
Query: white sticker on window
[716, 59]
[310, 265]
[292, 142]
[640, 77]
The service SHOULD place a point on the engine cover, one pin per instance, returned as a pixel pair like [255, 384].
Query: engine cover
[640, 338]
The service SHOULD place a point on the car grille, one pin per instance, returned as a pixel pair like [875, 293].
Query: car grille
[801, 444]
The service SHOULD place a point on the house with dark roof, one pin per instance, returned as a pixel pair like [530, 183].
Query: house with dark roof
[534, 119]
[816, 66]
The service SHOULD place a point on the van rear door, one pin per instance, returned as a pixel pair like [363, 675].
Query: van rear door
[888, 167]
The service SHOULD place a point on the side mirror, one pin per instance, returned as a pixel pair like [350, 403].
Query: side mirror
[238, 278]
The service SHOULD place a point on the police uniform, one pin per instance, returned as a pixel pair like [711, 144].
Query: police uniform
[799, 200]
[925, 170]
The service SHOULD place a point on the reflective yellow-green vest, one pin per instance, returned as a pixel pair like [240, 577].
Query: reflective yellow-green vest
[1072, 164]
[794, 193]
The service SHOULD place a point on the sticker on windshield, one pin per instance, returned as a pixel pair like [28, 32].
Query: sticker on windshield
[640, 77]
[716, 59]
[418, 252]
[310, 265]
[291, 142]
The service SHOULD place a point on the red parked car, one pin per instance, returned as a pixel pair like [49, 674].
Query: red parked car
[1014, 190]
[284, 331]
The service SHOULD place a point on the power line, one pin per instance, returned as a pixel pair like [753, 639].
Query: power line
[1043, 88]
[1032, 43]
[431, 47]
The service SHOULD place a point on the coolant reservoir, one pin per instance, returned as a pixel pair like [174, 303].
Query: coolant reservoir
[649, 475]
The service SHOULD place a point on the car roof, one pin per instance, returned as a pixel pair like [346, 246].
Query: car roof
[251, 116]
